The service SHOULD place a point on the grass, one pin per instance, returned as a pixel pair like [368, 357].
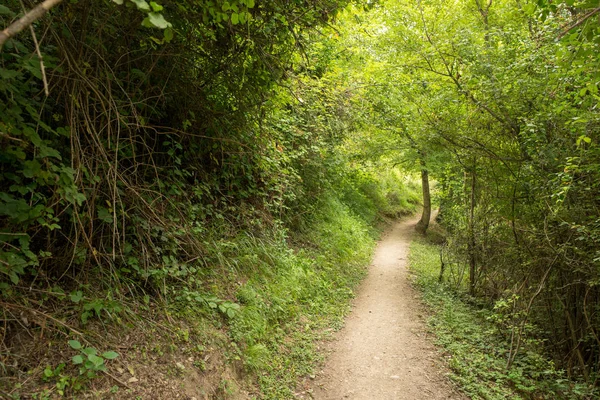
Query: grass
[242, 320]
[299, 295]
[477, 348]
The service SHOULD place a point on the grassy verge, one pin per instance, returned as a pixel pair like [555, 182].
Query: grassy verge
[297, 295]
[241, 321]
[476, 347]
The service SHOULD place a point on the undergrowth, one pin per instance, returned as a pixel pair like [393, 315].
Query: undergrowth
[476, 347]
[298, 296]
[247, 326]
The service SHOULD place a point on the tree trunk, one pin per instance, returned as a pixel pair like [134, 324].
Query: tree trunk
[423, 223]
[471, 244]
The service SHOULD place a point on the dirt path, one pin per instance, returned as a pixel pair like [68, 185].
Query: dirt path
[383, 352]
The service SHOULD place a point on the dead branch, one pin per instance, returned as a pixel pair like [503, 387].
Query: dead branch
[26, 20]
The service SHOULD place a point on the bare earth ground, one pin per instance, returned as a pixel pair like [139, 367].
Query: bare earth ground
[383, 352]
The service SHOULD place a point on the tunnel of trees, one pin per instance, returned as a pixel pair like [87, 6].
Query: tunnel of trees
[132, 131]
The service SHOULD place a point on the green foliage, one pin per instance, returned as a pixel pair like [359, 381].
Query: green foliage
[499, 103]
[293, 296]
[160, 162]
[89, 360]
[476, 345]
[89, 363]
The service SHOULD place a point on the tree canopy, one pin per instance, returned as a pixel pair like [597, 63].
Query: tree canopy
[131, 130]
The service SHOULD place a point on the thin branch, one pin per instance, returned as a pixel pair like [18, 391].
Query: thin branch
[581, 21]
[26, 20]
[39, 54]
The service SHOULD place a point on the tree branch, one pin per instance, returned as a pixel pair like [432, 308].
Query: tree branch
[26, 20]
[579, 22]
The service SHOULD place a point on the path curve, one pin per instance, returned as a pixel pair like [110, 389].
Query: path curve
[383, 352]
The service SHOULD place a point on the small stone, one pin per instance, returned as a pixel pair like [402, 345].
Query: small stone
[133, 379]
[180, 366]
[395, 377]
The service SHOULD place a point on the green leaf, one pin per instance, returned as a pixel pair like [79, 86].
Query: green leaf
[141, 5]
[8, 73]
[75, 344]
[46, 151]
[110, 355]
[156, 7]
[76, 296]
[156, 20]
[105, 215]
[119, 2]
[168, 34]
[98, 361]
[6, 11]
[89, 351]
[250, 3]
[31, 168]
[78, 359]
[235, 18]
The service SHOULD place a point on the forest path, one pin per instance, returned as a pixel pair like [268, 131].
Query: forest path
[383, 352]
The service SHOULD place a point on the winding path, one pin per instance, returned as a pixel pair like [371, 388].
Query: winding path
[383, 352]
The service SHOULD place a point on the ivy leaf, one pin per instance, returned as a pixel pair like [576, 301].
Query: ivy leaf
[250, 3]
[235, 18]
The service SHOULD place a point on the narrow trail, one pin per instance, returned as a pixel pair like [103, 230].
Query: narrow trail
[383, 353]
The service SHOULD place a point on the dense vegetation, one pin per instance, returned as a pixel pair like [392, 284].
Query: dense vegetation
[175, 199]
[473, 338]
[497, 101]
[215, 168]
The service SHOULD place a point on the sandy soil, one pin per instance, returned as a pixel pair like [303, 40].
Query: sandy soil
[383, 352]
